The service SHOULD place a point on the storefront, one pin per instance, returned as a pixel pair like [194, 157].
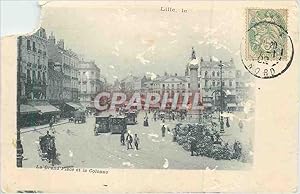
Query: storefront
[28, 115]
[46, 112]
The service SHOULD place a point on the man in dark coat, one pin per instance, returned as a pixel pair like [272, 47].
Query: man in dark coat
[122, 138]
[163, 130]
[129, 140]
[193, 146]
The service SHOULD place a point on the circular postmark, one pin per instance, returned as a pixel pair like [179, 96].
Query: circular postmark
[268, 50]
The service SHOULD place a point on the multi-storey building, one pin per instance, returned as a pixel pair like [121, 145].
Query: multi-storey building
[236, 88]
[68, 60]
[210, 72]
[65, 61]
[244, 87]
[55, 83]
[89, 82]
[211, 80]
[34, 65]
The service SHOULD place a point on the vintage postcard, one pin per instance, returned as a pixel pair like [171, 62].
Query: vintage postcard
[191, 96]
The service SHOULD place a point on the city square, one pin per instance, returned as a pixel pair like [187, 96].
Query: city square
[197, 116]
[77, 146]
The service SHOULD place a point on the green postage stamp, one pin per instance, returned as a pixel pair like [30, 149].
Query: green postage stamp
[266, 34]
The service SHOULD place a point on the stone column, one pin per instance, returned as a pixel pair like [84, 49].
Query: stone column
[194, 77]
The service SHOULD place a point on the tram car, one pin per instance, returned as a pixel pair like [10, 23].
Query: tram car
[131, 118]
[118, 124]
[102, 124]
[79, 116]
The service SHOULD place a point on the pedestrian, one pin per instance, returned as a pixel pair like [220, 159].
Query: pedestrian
[146, 123]
[136, 142]
[241, 125]
[237, 150]
[163, 130]
[175, 134]
[227, 122]
[129, 141]
[122, 138]
[193, 146]
[51, 124]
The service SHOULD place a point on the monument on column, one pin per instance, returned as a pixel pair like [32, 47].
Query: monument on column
[193, 67]
[194, 115]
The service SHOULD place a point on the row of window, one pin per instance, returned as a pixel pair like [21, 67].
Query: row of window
[69, 61]
[216, 74]
[87, 74]
[32, 76]
[35, 48]
[178, 85]
[214, 83]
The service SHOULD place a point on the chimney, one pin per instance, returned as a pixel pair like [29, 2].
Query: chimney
[210, 59]
[61, 44]
[175, 74]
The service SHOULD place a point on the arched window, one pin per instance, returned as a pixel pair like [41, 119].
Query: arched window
[206, 73]
[213, 73]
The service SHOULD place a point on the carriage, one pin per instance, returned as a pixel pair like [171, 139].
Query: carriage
[118, 124]
[102, 124]
[79, 116]
[47, 149]
[131, 118]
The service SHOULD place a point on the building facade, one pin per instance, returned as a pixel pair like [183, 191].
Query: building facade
[68, 60]
[34, 65]
[89, 82]
[33, 59]
[55, 83]
[244, 87]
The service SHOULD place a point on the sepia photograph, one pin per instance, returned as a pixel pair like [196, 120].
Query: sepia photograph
[133, 92]
[132, 96]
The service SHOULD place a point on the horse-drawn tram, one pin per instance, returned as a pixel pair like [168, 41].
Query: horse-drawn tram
[102, 124]
[131, 118]
[118, 124]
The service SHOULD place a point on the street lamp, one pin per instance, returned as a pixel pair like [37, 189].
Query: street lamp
[221, 99]
[19, 143]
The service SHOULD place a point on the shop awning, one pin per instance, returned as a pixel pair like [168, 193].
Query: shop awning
[26, 109]
[231, 104]
[47, 109]
[74, 105]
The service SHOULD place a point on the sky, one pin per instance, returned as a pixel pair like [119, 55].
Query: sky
[135, 40]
